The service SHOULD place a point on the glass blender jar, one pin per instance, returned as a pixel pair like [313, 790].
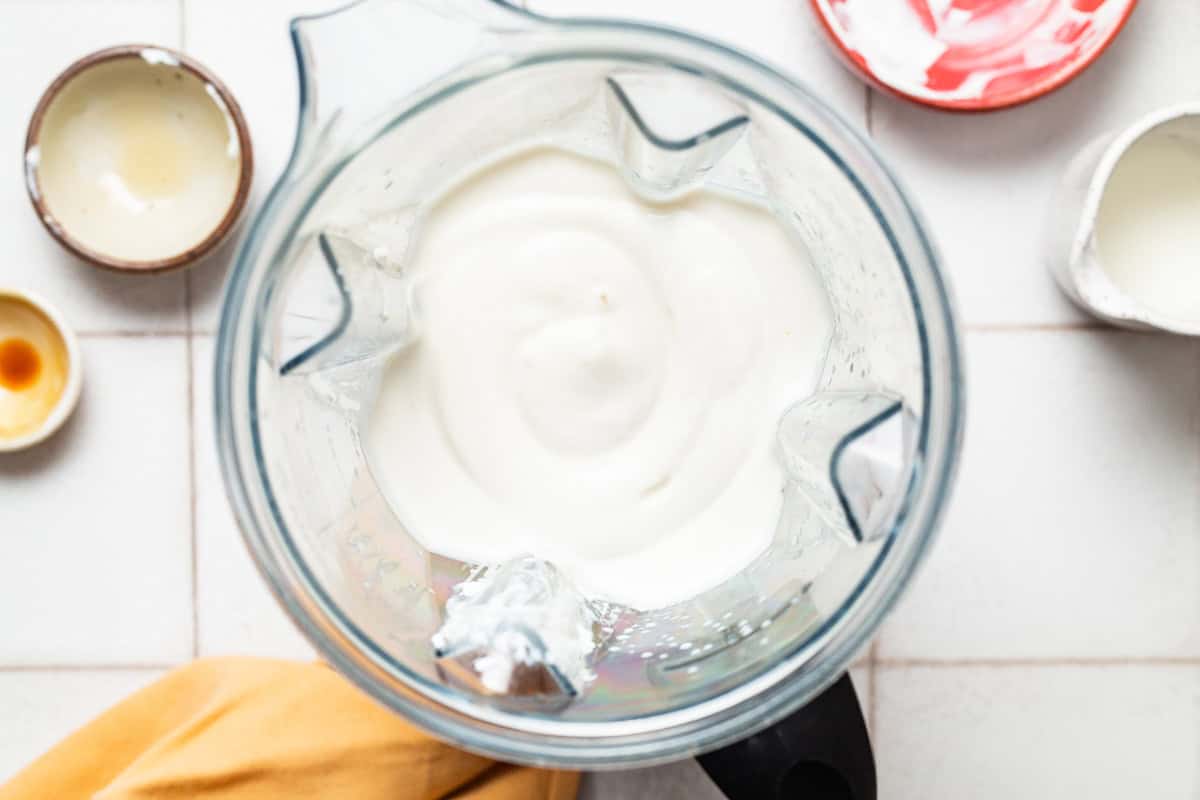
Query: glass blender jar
[398, 97]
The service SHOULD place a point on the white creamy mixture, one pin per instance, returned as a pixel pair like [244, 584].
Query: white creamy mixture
[597, 380]
[1148, 228]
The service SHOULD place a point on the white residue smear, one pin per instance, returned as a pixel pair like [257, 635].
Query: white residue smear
[522, 613]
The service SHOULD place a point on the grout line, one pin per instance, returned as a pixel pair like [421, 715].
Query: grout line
[17, 668]
[985, 327]
[869, 110]
[977, 327]
[191, 451]
[131, 334]
[1001, 327]
[1001, 663]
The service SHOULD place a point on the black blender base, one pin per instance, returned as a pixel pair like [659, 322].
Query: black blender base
[821, 752]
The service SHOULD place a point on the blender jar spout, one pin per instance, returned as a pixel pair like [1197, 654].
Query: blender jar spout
[371, 57]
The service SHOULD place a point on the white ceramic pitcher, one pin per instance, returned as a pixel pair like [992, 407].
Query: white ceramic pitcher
[1072, 250]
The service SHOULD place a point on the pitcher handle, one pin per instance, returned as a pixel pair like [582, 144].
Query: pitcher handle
[821, 752]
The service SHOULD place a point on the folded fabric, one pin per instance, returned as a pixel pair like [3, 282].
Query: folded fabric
[240, 728]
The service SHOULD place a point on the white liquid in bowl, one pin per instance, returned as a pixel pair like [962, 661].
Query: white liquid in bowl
[597, 381]
[137, 161]
[1148, 227]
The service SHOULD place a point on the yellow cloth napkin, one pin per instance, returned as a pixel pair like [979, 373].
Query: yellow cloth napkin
[241, 728]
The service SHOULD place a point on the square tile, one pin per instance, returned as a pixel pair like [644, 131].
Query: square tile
[985, 181]
[784, 33]
[1039, 733]
[37, 40]
[256, 61]
[1074, 527]
[94, 523]
[236, 613]
[40, 709]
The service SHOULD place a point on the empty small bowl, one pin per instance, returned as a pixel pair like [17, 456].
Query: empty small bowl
[970, 55]
[41, 373]
[138, 159]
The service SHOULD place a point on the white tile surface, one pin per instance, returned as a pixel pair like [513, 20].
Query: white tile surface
[1042, 733]
[39, 708]
[780, 32]
[260, 70]
[96, 566]
[1075, 527]
[984, 180]
[60, 32]
[236, 613]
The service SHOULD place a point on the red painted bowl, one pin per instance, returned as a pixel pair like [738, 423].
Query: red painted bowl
[971, 55]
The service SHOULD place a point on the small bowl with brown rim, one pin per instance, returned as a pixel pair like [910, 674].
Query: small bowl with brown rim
[138, 159]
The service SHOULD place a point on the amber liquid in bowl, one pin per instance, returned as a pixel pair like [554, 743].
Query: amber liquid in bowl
[34, 366]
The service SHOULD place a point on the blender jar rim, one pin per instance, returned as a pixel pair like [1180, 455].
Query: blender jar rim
[655, 737]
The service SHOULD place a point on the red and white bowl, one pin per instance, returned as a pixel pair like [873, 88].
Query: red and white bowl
[971, 55]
